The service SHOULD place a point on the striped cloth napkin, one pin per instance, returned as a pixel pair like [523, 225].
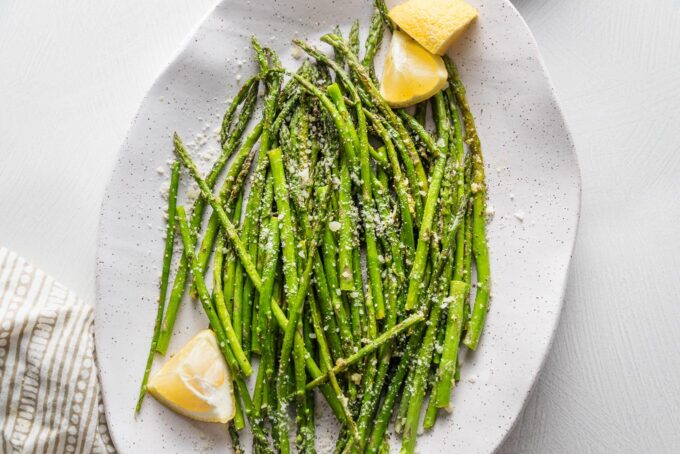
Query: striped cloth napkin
[49, 392]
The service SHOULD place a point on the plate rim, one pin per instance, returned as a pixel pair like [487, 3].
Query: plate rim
[574, 231]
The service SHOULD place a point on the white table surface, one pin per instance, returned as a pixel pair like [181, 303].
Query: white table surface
[73, 73]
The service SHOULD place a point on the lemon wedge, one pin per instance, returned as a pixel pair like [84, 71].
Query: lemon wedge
[196, 381]
[411, 73]
[435, 24]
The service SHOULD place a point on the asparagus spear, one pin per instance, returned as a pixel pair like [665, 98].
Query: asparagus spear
[421, 368]
[425, 236]
[373, 42]
[312, 368]
[266, 58]
[382, 9]
[167, 260]
[337, 346]
[405, 199]
[420, 130]
[228, 119]
[197, 216]
[229, 228]
[458, 293]
[225, 333]
[338, 43]
[367, 206]
[383, 417]
[478, 187]
[296, 304]
[353, 38]
[343, 364]
[454, 327]
[287, 228]
[328, 365]
[266, 244]
[268, 279]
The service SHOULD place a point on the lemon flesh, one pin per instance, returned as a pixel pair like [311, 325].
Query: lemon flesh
[435, 24]
[411, 73]
[196, 381]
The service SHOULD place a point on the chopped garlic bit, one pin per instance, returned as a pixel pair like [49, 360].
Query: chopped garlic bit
[296, 53]
[193, 192]
[520, 215]
[165, 190]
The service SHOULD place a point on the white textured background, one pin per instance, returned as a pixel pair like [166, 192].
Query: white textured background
[73, 73]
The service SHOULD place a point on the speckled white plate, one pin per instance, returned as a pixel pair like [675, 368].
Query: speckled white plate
[534, 188]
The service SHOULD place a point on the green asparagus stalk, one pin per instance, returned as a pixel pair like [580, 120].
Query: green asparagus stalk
[247, 311]
[227, 121]
[228, 285]
[167, 260]
[280, 414]
[405, 200]
[478, 187]
[263, 250]
[312, 368]
[263, 330]
[362, 304]
[442, 388]
[367, 204]
[197, 216]
[353, 38]
[337, 346]
[239, 420]
[226, 338]
[421, 369]
[421, 132]
[268, 279]
[286, 223]
[229, 228]
[303, 438]
[296, 304]
[377, 100]
[382, 9]
[237, 302]
[345, 234]
[373, 42]
[218, 288]
[342, 364]
[425, 236]
[386, 409]
[328, 365]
